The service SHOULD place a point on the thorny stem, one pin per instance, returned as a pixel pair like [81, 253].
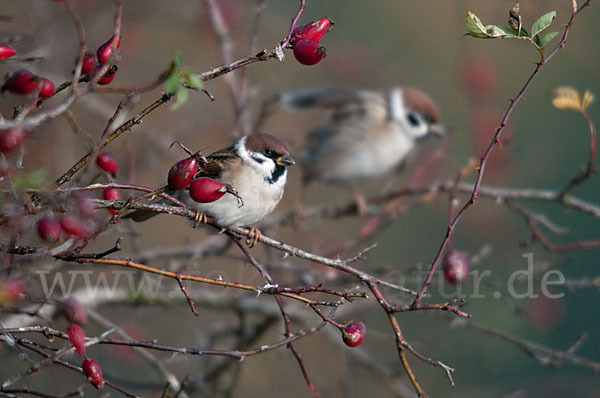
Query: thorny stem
[87, 259]
[484, 158]
[111, 137]
[286, 319]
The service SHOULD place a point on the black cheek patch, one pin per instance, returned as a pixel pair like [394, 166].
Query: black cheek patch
[258, 159]
[277, 173]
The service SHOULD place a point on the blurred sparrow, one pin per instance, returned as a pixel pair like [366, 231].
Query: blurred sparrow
[255, 167]
[368, 134]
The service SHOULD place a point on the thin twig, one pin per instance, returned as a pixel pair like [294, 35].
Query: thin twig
[484, 158]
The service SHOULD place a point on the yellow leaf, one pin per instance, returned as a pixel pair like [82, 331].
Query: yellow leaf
[588, 98]
[566, 97]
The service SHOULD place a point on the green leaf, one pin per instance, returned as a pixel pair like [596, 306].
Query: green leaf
[503, 31]
[181, 96]
[547, 38]
[177, 60]
[475, 27]
[172, 84]
[194, 82]
[179, 80]
[542, 23]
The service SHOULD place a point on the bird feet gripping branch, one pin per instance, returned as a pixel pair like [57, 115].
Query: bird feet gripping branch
[200, 218]
[253, 236]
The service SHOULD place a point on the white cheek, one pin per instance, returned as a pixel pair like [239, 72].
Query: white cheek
[265, 168]
[396, 105]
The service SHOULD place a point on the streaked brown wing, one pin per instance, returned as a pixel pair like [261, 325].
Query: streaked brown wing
[217, 162]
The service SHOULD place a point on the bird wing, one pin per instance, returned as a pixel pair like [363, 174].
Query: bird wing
[214, 164]
[317, 97]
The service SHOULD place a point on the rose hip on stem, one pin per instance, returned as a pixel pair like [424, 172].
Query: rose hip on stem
[354, 333]
[89, 63]
[77, 337]
[105, 50]
[111, 194]
[12, 138]
[108, 76]
[308, 52]
[206, 190]
[93, 372]
[455, 266]
[6, 51]
[181, 173]
[46, 88]
[21, 82]
[74, 227]
[107, 162]
[48, 228]
[313, 31]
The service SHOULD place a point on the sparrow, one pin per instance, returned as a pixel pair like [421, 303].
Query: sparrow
[367, 134]
[256, 168]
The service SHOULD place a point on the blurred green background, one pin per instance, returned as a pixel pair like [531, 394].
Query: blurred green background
[373, 45]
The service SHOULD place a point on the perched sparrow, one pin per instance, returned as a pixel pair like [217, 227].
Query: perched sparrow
[255, 167]
[368, 134]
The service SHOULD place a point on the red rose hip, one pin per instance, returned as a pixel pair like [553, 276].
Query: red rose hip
[77, 337]
[206, 190]
[182, 172]
[21, 82]
[6, 51]
[313, 31]
[107, 162]
[456, 266]
[108, 76]
[89, 63]
[105, 51]
[48, 228]
[11, 139]
[354, 333]
[46, 88]
[74, 227]
[111, 194]
[308, 52]
[93, 372]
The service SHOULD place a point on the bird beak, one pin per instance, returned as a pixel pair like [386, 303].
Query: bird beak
[285, 160]
[437, 129]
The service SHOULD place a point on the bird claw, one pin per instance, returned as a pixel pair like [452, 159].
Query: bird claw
[253, 236]
[200, 218]
[231, 190]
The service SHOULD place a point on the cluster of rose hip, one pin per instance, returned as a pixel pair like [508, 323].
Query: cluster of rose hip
[26, 82]
[79, 226]
[183, 175]
[76, 315]
[305, 41]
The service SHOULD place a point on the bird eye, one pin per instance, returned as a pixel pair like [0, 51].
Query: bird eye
[413, 120]
[269, 153]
